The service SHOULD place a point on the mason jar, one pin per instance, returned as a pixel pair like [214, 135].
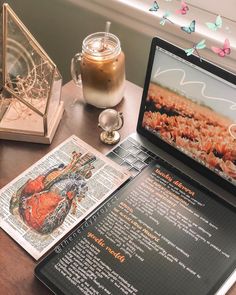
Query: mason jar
[100, 70]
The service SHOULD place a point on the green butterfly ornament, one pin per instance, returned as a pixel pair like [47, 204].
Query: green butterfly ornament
[154, 7]
[216, 25]
[165, 18]
[196, 47]
[190, 29]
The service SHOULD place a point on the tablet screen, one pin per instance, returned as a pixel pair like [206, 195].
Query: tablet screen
[162, 233]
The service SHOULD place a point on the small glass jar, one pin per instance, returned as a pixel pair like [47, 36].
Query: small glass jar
[102, 68]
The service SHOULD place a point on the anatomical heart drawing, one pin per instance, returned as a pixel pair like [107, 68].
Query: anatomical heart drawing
[58, 192]
[44, 202]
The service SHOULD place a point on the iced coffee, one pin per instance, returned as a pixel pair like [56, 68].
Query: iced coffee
[102, 68]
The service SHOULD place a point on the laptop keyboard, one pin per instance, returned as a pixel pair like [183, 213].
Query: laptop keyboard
[132, 155]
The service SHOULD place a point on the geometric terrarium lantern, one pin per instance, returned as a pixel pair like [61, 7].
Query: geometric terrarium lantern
[30, 84]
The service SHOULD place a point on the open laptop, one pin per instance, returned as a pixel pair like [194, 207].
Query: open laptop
[200, 135]
[186, 130]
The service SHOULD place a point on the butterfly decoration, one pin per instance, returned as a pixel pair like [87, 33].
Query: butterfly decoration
[154, 7]
[184, 8]
[222, 52]
[199, 45]
[191, 28]
[165, 18]
[216, 25]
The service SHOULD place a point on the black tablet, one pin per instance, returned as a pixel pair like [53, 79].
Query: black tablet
[161, 234]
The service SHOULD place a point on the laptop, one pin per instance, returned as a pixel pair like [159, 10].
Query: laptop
[171, 230]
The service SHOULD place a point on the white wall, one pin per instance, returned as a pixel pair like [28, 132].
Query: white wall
[61, 25]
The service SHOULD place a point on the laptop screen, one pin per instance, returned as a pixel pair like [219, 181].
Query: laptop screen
[191, 107]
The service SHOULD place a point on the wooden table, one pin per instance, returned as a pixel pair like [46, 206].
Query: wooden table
[16, 266]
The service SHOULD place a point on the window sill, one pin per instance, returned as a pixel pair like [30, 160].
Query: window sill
[135, 14]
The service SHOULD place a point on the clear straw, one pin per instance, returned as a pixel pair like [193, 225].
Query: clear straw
[107, 29]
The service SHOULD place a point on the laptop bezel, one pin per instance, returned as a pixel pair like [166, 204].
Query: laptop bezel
[205, 65]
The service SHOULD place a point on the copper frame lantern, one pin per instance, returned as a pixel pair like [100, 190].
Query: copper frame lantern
[30, 84]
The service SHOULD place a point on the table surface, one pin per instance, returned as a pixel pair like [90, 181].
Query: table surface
[16, 265]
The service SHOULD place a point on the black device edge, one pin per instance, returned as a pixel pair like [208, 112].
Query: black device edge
[172, 169]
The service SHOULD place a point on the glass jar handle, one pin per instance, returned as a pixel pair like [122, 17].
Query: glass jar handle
[75, 69]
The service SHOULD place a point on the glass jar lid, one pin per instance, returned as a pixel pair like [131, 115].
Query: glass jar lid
[101, 45]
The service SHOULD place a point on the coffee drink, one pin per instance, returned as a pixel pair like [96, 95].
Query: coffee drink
[102, 67]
